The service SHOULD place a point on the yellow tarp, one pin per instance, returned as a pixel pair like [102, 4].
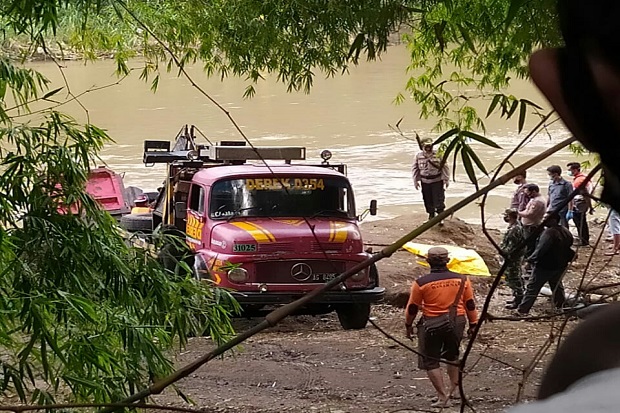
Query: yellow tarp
[462, 260]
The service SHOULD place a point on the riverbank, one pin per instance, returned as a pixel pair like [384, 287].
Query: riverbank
[309, 364]
[398, 271]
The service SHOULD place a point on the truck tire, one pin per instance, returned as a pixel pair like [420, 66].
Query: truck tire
[137, 222]
[353, 316]
[152, 196]
[173, 250]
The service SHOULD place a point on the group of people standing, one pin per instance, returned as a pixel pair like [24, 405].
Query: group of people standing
[446, 299]
[535, 256]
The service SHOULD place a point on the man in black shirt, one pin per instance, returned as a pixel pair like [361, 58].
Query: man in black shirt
[550, 259]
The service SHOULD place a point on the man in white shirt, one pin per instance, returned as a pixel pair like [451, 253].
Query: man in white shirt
[532, 216]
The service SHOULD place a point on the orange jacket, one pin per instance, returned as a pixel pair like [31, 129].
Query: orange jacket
[434, 293]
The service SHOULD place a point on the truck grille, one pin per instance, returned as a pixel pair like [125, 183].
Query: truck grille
[326, 246]
[275, 247]
[281, 272]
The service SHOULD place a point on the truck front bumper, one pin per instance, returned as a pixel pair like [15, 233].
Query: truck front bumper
[329, 297]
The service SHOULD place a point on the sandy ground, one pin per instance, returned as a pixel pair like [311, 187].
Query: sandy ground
[309, 364]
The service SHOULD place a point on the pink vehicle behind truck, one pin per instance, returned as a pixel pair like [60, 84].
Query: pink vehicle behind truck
[270, 234]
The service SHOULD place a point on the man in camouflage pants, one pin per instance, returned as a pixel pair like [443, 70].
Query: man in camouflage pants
[512, 238]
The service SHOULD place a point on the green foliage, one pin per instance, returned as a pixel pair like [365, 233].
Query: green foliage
[481, 44]
[457, 141]
[229, 37]
[81, 309]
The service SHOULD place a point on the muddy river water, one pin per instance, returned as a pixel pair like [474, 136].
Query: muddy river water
[349, 114]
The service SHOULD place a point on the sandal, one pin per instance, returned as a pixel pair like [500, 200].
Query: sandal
[442, 404]
[452, 397]
[612, 253]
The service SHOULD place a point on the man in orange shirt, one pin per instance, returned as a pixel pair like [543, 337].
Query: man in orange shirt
[435, 294]
[581, 203]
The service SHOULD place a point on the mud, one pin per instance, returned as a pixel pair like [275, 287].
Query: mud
[309, 364]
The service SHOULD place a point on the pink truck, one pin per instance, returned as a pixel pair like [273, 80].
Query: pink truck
[269, 233]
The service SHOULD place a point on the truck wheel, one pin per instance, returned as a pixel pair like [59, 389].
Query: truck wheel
[173, 249]
[137, 222]
[353, 316]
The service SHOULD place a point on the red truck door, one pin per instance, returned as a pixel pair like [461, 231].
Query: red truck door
[196, 216]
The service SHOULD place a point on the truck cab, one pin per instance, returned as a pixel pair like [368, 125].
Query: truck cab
[268, 232]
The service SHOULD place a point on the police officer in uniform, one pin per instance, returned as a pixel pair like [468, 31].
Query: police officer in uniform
[433, 177]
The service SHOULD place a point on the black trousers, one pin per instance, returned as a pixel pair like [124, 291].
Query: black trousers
[563, 220]
[581, 222]
[434, 197]
[530, 245]
[539, 278]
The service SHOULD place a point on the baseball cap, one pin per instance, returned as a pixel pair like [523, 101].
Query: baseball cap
[437, 252]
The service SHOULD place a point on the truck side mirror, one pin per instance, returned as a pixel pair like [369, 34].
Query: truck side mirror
[180, 210]
[372, 210]
[373, 207]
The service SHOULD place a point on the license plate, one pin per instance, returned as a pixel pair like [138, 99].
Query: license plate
[323, 276]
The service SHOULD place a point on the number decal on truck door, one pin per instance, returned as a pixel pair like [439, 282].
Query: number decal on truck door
[194, 229]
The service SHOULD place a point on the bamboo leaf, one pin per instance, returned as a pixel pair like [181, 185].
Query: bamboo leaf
[481, 139]
[82, 381]
[469, 168]
[456, 152]
[522, 115]
[472, 154]
[446, 135]
[529, 102]
[513, 108]
[439, 29]
[249, 92]
[51, 93]
[25, 352]
[184, 396]
[453, 145]
[18, 386]
[467, 38]
[493, 104]
[81, 306]
[155, 83]
[356, 47]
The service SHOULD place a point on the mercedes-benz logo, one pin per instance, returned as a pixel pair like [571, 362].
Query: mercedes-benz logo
[301, 271]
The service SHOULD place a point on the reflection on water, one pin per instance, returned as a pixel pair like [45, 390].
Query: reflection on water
[351, 115]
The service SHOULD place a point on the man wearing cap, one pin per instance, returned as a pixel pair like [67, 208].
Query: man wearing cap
[513, 238]
[428, 172]
[532, 216]
[441, 294]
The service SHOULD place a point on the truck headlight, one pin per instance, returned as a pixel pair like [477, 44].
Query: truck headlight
[360, 275]
[238, 275]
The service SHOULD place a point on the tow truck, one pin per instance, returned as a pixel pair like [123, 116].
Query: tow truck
[269, 232]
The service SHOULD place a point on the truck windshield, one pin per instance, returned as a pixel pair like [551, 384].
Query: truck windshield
[284, 196]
